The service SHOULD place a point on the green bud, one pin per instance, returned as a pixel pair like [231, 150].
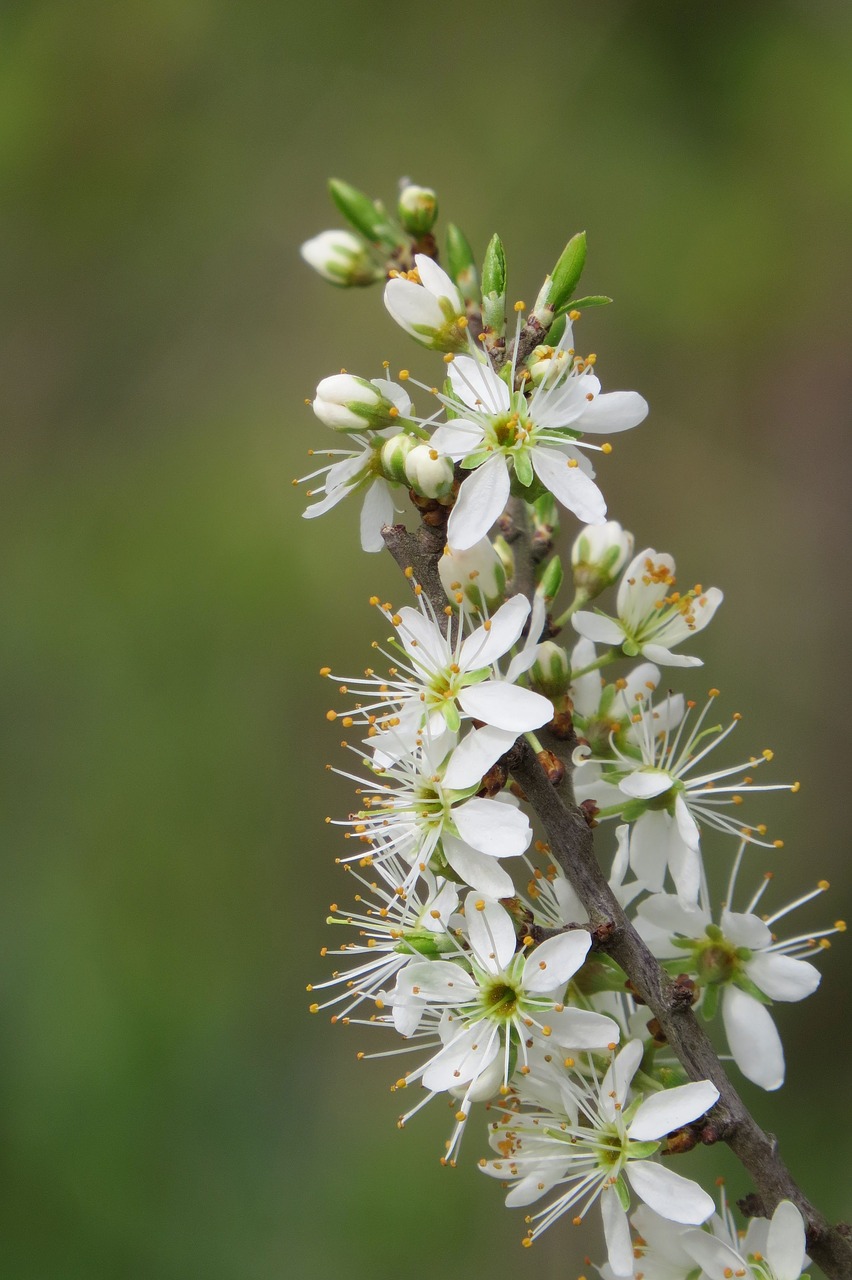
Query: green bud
[393, 455]
[418, 209]
[599, 553]
[461, 264]
[556, 291]
[365, 214]
[494, 286]
[550, 674]
[551, 579]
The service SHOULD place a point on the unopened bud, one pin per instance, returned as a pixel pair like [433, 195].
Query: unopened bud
[366, 215]
[550, 674]
[547, 364]
[418, 209]
[393, 457]
[598, 555]
[551, 580]
[429, 473]
[347, 403]
[477, 575]
[461, 265]
[341, 258]
[494, 286]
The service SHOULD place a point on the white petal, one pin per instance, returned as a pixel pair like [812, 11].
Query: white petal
[531, 1187]
[481, 501]
[666, 911]
[492, 828]
[506, 706]
[422, 638]
[457, 439]
[686, 824]
[785, 1246]
[618, 1076]
[485, 645]
[582, 1029]
[436, 280]
[550, 966]
[477, 869]
[663, 1112]
[478, 386]
[475, 755]
[658, 653]
[490, 932]
[412, 306]
[376, 512]
[716, 1259]
[598, 628]
[782, 977]
[649, 848]
[463, 1059]
[433, 980]
[753, 1038]
[406, 1017]
[613, 411]
[619, 1246]
[644, 784]
[745, 930]
[668, 1194]
[570, 485]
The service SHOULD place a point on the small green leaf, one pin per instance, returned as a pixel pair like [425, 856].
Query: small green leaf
[593, 300]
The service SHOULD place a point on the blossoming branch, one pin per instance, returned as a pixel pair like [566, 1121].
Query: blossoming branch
[559, 993]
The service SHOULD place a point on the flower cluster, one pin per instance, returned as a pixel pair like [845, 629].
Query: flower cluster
[468, 948]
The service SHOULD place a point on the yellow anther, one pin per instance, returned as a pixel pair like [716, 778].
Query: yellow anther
[325, 671]
[331, 715]
[449, 358]
[797, 786]
[840, 926]
[606, 447]
[768, 755]
[313, 1008]
[574, 315]
[520, 306]
[403, 375]
[823, 884]
[778, 844]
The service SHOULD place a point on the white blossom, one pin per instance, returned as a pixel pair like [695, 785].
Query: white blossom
[498, 433]
[597, 1155]
[652, 618]
[426, 304]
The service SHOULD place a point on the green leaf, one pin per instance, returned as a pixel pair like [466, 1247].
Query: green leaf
[566, 274]
[593, 300]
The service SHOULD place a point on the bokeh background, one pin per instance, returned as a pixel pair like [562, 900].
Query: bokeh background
[170, 1110]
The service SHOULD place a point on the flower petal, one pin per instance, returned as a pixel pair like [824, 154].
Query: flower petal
[618, 1076]
[663, 1112]
[644, 784]
[481, 501]
[492, 828]
[475, 755]
[478, 386]
[785, 1246]
[782, 977]
[668, 1194]
[613, 411]
[616, 1227]
[490, 932]
[594, 626]
[376, 512]
[486, 644]
[554, 962]
[506, 706]
[753, 1039]
[582, 1029]
[477, 869]
[570, 485]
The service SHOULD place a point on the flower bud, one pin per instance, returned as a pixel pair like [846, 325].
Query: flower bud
[418, 209]
[366, 215]
[476, 575]
[461, 265]
[427, 304]
[494, 286]
[558, 288]
[550, 674]
[551, 580]
[341, 258]
[598, 555]
[393, 455]
[346, 403]
[547, 365]
[429, 472]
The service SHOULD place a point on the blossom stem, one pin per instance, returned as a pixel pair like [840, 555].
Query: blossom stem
[611, 655]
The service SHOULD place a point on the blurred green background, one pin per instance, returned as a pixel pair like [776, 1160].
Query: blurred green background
[170, 1110]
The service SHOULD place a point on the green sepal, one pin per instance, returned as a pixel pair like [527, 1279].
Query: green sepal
[451, 716]
[461, 264]
[622, 1192]
[641, 1151]
[633, 810]
[523, 468]
[476, 459]
[593, 300]
[745, 984]
[710, 1003]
